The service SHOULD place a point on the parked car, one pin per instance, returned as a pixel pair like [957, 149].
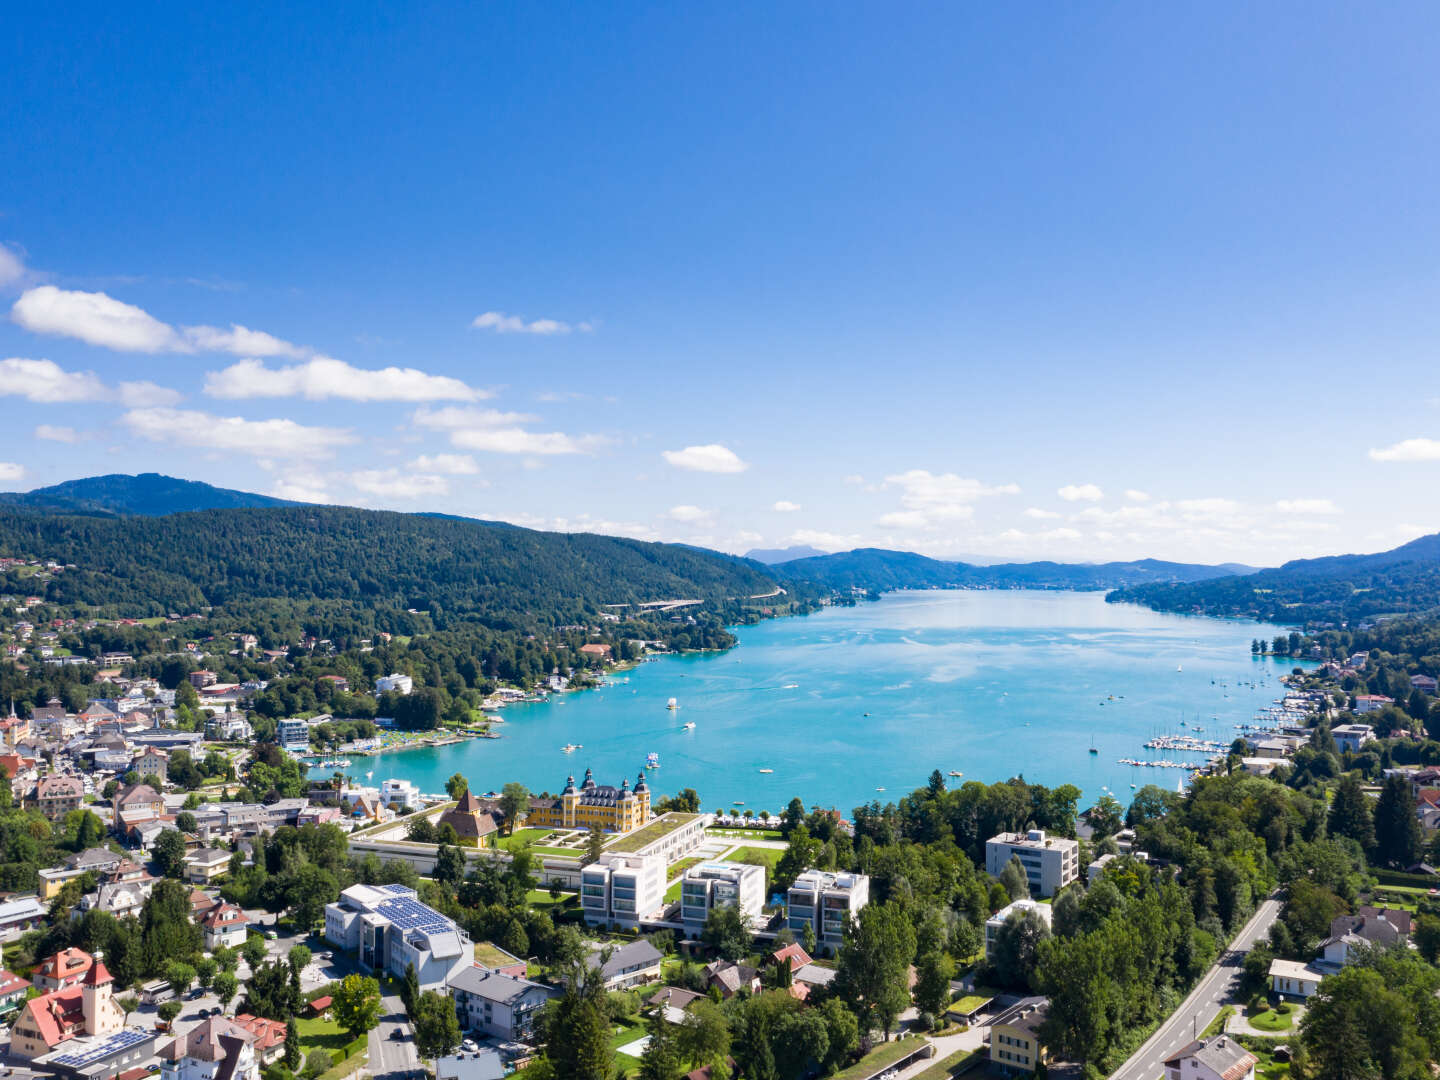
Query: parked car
[397, 1034]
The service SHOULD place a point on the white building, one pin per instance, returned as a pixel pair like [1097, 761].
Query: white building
[1353, 736]
[389, 929]
[215, 1049]
[1218, 1058]
[1050, 862]
[712, 885]
[400, 792]
[401, 684]
[827, 903]
[502, 1006]
[1292, 979]
[293, 735]
[622, 888]
[996, 921]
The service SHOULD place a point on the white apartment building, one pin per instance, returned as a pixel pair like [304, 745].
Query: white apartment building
[401, 792]
[1051, 862]
[827, 903]
[293, 735]
[401, 684]
[388, 929]
[622, 888]
[714, 885]
[996, 921]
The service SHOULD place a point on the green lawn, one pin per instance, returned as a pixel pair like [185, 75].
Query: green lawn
[1270, 1020]
[317, 1032]
[662, 826]
[948, 1067]
[543, 901]
[969, 1003]
[877, 1059]
[673, 892]
[746, 834]
[757, 856]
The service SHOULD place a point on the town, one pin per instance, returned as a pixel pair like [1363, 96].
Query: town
[182, 896]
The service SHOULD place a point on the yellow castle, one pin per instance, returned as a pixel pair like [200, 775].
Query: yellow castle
[614, 809]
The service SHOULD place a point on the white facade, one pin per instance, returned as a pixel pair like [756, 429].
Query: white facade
[1291, 979]
[293, 735]
[712, 885]
[401, 792]
[1051, 862]
[622, 888]
[1352, 736]
[401, 684]
[996, 921]
[827, 903]
[497, 1005]
[389, 929]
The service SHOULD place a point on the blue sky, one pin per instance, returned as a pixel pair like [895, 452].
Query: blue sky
[1068, 282]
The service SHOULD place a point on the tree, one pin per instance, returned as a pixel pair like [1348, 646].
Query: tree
[437, 1031]
[185, 822]
[1399, 839]
[253, 950]
[299, 957]
[318, 1061]
[594, 845]
[1017, 944]
[661, 1059]
[292, 1044]
[449, 866]
[514, 804]
[1014, 879]
[180, 976]
[1350, 813]
[357, 1004]
[933, 972]
[704, 1037]
[410, 989]
[226, 987]
[169, 853]
[270, 993]
[456, 786]
[128, 1003]
[169, 1010]
[725, 931]
[205, 969]
[791, 816]
[873, 966]
[308, 888]
[166, 931]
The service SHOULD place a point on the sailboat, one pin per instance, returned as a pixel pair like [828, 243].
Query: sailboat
[689, 725]
[652, 760]
[672, 704]
[1092, 745]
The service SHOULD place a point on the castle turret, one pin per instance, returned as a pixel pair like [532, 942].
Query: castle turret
[589, 781]
[102, 1015]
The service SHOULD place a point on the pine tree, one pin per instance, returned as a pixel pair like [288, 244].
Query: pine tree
[1398, 836]
[292, 1045]
[1350, 814]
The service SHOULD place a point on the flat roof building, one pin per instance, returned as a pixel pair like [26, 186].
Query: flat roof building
[389, 929]
[827, 903]
[1050, 862]
[622, 888]
[712, 885]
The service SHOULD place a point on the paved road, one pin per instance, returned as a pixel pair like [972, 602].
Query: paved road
[1203, 1005]
[391, 1059]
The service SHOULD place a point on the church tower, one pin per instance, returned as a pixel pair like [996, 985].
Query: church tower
[102, 1013]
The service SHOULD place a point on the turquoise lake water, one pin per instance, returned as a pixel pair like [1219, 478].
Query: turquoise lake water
[848, 700]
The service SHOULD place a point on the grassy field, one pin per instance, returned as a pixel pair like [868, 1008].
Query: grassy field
[541, 900]
[746, 834]
[650, 833]
[757, 856]
[1270, 1020]
[944, 1069]
[969, 1003]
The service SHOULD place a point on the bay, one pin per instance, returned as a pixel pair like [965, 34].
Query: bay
[852, 700]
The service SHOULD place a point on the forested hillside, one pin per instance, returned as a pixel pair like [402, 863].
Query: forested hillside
[876, 568]
[317, 557]
[146, 494]
[1336, 589]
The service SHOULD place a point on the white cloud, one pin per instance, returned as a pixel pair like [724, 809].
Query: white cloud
[711, 458]
[1137, 496]
[96, 319]
[393, 484]
[12, 269]
[52, 433]
[825, 541]
[1307, 506]
[514, 324]
[1080, 493]
[275, 438]
[11, 473]
[1203, 508]
[301, 485]
[520, 441]
[457, 416]
[927, 499]
[323, 377]
[46, 382]
[1409, 450]
[446, 464]
[241, 341]
[785, 506]
[1039, 514]
[139, 395]
[690, 515]
[855, 480]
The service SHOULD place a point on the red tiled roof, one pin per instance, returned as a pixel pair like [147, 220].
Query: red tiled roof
[320, 1004]
[58, 1015]
[267, 1033]
[10, 982]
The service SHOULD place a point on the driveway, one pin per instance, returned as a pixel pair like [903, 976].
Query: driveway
[1195, 1013]
[392, 1059]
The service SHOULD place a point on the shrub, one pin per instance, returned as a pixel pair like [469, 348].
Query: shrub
[1284, 1008]
[317, 1061]
[926, 1021]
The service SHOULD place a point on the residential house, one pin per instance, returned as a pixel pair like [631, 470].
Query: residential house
[201, 679]
[731, 978]
[293, 735]
[1426, 684]
[1368, 703]
[1292, 979]
[1369, 926]
[401, 793]
[206, 865]
[711, 885]
[389, 929]
[622, 888]
[64, 969]
[1353, 736]
[152, 761]
[400, 684]
[214, 1049]
[12, 991]
[1014, 1036]
[56, 796]
[496, 1005]
[482, 1064]
[224, 924]
[826, 903]
[1050, 862]
[70, 1012]
[472, 819]
[631, 964]
[268, 1036]
[1216, 1058]
[139, 802]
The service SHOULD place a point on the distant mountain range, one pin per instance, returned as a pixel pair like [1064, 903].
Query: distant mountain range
[1336, 588]
[776, 556]
[877, 568]
[146, 495]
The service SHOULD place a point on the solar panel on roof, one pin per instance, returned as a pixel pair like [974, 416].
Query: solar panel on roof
[121, 1040]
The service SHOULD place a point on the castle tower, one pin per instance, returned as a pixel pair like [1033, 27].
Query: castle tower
[102, 1015]
[569, 802]
[642, 796]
